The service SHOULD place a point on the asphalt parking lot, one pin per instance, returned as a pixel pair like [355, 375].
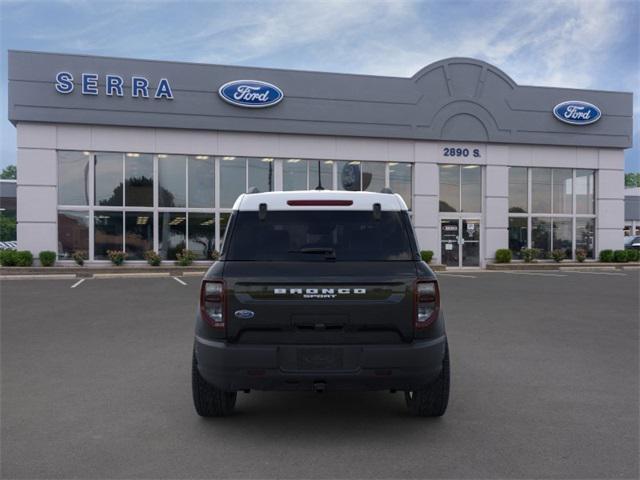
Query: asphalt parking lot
[96, 384]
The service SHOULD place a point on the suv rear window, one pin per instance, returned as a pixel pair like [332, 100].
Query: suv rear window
[319, 236]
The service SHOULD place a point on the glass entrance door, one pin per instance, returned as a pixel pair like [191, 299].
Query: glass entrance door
[460, 242]
[470, 243]
[450, 248]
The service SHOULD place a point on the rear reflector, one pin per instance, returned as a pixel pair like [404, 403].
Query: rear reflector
[319, 203]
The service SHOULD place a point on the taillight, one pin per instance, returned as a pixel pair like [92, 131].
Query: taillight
[427, 303]
[212, 303]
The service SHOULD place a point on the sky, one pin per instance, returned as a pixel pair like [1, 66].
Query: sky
[565, 43]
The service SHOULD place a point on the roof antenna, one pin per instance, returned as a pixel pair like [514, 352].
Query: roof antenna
[319, 187]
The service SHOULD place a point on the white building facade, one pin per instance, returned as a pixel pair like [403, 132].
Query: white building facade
[113, 171]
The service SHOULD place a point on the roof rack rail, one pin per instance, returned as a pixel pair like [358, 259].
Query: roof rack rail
[386, 190]
[253, 190]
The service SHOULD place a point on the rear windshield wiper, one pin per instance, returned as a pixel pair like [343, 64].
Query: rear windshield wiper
[329, 252]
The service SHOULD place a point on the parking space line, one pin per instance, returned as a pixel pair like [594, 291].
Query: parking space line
[78, 283]
[538, 274]
[179, 281]
[455, 275]
[598, 273]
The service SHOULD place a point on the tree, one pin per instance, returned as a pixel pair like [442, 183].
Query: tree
[9, 172]
[632, 179]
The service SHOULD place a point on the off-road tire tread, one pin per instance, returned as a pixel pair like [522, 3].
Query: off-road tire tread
[207, 399]
[432, 400]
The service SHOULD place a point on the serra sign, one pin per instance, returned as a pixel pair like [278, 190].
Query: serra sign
[576, 112]
[250, 93]
[113, 85]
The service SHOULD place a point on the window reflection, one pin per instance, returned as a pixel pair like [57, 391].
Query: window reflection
[518, 190]
[138, 170]
[107, 232]
[172, 181]
[449, 188]
[373, 176]
[108, 179]
[585, 235]
[471, 188]
[294, 174]
[585, 191]
[517, 235]
[224, 221]
[233, 180]
[541, 235]
[201, 181]
[172, 228]
[400, 176]
[541, 190]
[138, 234]
[326, 174]
[73, 178]
[202, 234]
[73, 233]
[562, 235]
[562, 190]
[260, 173]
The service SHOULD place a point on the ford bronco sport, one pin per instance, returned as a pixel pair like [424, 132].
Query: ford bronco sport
[320, 290]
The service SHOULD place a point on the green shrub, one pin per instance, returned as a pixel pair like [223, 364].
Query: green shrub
[80, 256]
[8, 258]
[558, 255]
[581, 254]
[529, 254]
[606, 256]
[503, 255]
[215, 255]
[47, 258]
[426, 255]
[620, 256]
[152, 258]
[117, 257]
[185, 258]
[633, 255]
[24, 258]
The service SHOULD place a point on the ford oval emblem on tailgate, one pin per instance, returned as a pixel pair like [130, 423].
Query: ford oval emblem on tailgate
[244, 314]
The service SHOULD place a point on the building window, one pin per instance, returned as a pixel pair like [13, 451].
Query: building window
[138, 201]
[73, 233]
[518, 190]
[108, 179]
[73, 178]
[172, 181]
[517, 235]
[460, 188]
[400, 180]
[202, 234]
[560, 210]
[172, 234]
[108, 233]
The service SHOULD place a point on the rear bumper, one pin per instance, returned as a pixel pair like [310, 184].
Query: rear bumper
[233, 367]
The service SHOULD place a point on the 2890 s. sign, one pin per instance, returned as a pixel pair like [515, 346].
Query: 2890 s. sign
[250, 93]
[576, 112]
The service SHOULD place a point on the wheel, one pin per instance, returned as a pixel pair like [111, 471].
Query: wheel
[432, 400]
[207, 399]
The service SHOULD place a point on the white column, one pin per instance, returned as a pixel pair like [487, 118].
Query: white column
[37, 188]
[426, 190]
[496, 210]
[610, 200]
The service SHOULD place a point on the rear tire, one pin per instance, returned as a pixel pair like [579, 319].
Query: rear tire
[207, 399]
[431, 400]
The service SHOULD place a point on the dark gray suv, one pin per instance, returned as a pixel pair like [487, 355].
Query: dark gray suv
[320, 290]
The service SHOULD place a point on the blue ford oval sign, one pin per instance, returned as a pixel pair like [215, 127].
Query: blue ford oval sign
[244, 314]
[250, 93]
[576, 112]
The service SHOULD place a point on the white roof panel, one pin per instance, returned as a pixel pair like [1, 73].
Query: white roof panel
[282, 200]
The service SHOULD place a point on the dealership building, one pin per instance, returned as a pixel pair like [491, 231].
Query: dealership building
[134, 155]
